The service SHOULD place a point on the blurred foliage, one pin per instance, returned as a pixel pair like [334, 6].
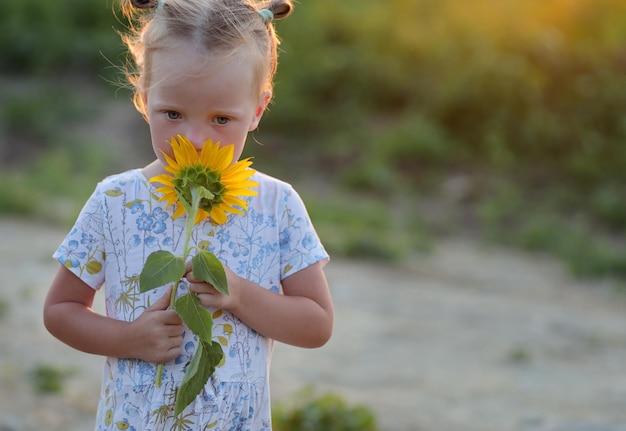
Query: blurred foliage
[328, 412]
[49, 379]
[529, 86]
[504, 119]
[59, 37]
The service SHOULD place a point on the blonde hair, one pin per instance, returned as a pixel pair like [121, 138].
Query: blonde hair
[221, 27]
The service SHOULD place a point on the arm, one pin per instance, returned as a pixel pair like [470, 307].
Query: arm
[302, 316]
[154, 337]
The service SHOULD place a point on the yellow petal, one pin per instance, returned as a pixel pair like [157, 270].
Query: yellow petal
[218, 216]
[232, 200]
[178, 212]
[164, 179]
[202, 215]
[235, 177]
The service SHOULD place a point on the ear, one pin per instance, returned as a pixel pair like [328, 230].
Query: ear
[264, 100]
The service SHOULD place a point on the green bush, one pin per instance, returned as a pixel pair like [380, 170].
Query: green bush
[65, 36]
[391, 98]
[48, 379]
[329, 412]
[361, 227]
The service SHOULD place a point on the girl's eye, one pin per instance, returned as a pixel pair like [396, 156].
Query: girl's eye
[172, 115]
[221, 120]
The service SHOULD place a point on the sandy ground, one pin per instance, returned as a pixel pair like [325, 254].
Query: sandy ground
[467, 339]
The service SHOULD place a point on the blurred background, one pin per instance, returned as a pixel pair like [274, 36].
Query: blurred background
[404, 124]
[400, 120]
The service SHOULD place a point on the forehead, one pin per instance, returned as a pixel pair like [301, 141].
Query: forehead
[181, 64]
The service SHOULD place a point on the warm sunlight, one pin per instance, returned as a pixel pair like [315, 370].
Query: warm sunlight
[503, 20]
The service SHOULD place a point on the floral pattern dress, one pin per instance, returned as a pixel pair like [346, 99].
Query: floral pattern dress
[119, 226]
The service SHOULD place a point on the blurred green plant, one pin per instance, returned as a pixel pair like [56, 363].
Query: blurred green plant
[54, 187]
[519, 356]
[391, 99]
[328, 412]
[365, 227]
[4, 308]
[68, 37]
[48, 379]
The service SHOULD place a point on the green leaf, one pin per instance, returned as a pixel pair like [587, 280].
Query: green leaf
[196, 317]
[130, 204]
[206, 357]
[208, 268]
[161, 267]
[114, 192]
[182, 201]
[205, 193]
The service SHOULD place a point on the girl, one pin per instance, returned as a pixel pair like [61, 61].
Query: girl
[205, 71]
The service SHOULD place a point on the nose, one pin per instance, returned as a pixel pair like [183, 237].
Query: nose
[197, 136]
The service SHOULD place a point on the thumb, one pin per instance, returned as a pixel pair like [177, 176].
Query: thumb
[163, 302]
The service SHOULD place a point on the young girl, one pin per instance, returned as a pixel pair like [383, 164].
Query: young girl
[205, 71]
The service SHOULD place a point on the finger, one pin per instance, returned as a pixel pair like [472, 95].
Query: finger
[171, 318]
[173, 354]
[200, 288]
[163, 302]
[187, 267]
[191, 277]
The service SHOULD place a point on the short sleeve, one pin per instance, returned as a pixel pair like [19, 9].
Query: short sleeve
[83, 249]
[300, 246]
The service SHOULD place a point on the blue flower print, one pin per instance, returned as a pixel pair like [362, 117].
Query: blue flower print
[70, 255]
[118, 229]
[146, 371]
[186, 357]
[308, 241]
[222, 236]
[134, 241]
[131, 410]
[145, 222]
[257, 219]
[239, 421]
[88, 240]
[152, 241]
[160, 217]
[284, 238]
[238, 249]
[136, 207]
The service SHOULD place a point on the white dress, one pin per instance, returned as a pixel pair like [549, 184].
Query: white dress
[120, 225]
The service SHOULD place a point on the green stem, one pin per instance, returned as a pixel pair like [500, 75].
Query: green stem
[192, 212]
[159, 376]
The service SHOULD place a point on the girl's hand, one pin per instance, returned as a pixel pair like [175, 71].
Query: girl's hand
[156, 335]
[302, 315]
[208, 295]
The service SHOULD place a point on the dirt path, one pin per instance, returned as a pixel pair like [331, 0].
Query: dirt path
[467, 339]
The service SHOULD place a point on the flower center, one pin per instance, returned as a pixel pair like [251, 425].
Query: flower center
[193, 176]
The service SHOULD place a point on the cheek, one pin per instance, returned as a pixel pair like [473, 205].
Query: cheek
[160, 141]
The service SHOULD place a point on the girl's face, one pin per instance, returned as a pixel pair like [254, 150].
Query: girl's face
[217, 102]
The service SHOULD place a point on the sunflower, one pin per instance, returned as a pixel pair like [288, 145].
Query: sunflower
[220, 181]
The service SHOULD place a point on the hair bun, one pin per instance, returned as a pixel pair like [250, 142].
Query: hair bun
[145, 4]
[280, 8]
